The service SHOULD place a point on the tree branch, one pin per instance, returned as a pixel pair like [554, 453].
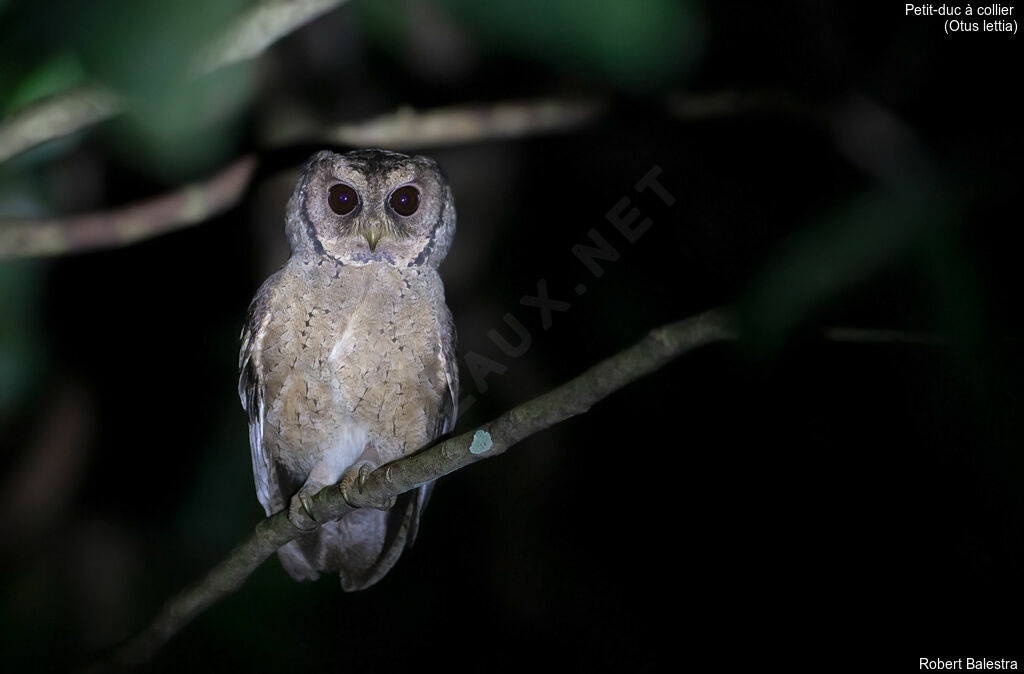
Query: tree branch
[189, 205]
[406, 128]
[55, 117]
[491, 439]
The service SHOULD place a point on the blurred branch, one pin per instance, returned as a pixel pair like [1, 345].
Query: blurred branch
[248, 36]
[884, 336]
[55, 117]
[491, 439]
[189, 205]
[408, 129]
[719, 104]
[261, 26]
[874, 139]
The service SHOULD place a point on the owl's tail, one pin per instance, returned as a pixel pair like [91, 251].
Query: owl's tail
[362, 546]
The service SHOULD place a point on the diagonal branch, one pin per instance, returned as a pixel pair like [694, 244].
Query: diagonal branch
[187, 206]
[260, 26]
[55, 117]
[491, 439]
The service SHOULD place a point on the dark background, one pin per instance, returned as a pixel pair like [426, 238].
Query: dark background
[788, 498]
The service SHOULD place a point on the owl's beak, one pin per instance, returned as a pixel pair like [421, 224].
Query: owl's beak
[372, 236]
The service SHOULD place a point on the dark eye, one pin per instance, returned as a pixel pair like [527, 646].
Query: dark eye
[405, 200]
[342, 199]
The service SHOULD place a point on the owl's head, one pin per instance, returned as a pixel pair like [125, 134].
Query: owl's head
[372, 206]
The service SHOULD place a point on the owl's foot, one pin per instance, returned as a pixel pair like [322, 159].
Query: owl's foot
[353, 481]
[300, 510]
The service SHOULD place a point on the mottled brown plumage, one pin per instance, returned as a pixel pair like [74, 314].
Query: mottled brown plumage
[347, 354]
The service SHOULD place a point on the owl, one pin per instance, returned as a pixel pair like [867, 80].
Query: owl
[347, 358]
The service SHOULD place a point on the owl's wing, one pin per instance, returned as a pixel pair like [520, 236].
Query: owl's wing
[251, 392]
[449, 412]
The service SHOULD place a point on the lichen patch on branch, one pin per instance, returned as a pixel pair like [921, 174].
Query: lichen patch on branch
[481, 442]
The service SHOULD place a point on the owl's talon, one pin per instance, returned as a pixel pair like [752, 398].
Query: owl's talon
[364, 474]
[307, 505]
[300, 512]
[354, 481]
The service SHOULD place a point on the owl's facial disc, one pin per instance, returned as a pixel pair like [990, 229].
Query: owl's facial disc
[373, 206]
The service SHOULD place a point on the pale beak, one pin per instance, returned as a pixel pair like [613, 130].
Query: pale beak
[372, 236]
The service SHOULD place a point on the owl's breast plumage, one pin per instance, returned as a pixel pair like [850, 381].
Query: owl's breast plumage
[350, 356]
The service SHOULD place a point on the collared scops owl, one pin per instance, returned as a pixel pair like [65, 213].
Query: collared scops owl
[347, 358]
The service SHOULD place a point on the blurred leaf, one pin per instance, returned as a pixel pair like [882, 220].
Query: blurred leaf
[145, 48]
[188, 130]
[636, 46]
[837, 252]
[177, 125]
[957, 294]
[62, 71]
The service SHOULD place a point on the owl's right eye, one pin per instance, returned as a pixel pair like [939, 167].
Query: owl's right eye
[342, 199]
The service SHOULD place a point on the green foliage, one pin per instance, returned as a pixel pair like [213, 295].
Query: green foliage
[177, 125]
[836, 252]
[61, 71]
[145, 48]
[187, 130]
[635, 46]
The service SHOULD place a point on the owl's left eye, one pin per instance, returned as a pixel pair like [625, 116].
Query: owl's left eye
[405, 200]
[342, 199]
